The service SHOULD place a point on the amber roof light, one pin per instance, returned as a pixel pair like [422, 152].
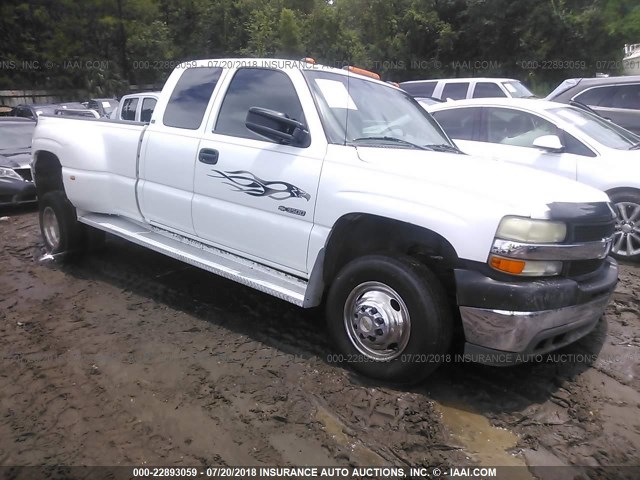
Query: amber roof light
[362, 71]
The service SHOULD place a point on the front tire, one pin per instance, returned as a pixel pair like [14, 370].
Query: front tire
[626, 239]
[389, 318]
[61, 231]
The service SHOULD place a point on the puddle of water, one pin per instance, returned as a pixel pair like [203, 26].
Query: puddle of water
[485, 444]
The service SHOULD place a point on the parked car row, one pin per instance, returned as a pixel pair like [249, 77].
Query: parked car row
[460, 88]
[615, 98]
[136, 107]
[562, 139]
[578, 136]
[16, 185]
[93, 108]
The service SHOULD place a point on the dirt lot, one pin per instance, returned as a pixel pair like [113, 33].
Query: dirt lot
[131, 358]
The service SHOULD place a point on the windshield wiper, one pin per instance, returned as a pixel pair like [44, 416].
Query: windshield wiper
[583, 106]
[391, 139]
[635, 146]
[443, 147]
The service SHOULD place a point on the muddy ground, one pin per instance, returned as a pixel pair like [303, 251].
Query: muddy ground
[131, 358]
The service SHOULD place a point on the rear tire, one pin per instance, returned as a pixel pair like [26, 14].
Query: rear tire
[389, 318]
[626, 240]
[61, 231]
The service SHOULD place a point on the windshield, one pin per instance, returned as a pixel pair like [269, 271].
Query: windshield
[517, 90]
[16, 136]
[603, 131]
[358, 111]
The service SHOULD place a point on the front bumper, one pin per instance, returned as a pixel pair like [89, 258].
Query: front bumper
[507, 323]
[16, 192]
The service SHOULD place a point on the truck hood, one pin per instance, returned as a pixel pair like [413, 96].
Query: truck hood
[519, 187]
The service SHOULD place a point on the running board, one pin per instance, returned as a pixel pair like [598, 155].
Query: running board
[227, 265]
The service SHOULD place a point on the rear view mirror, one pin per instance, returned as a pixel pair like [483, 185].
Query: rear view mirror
[277, 127]
[550, 143]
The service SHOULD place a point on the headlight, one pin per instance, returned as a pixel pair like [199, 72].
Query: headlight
[526, 230]
[9, 173]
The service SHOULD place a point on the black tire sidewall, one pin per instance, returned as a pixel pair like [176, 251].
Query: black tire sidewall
[431, 322]
[70, 234]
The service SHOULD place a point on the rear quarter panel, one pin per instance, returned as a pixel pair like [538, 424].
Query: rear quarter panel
[98, 159]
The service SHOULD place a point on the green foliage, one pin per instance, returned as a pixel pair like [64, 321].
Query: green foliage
[103, 45]
[289, 38]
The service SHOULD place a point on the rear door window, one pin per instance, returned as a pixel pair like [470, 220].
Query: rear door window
[190, 97]
[129, 109]
[487, 90]
[517, 128]
[455, 91]
[626, 96]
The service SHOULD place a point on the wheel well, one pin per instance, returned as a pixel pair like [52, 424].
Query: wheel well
[47, 173]
[359, 234]
[623, 189]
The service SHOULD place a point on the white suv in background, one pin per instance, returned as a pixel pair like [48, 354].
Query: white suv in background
[461, 88]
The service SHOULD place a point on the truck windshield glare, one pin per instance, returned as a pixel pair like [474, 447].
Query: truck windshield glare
[353, 108]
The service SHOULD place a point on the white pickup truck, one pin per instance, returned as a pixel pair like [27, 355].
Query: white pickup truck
[136, 106]
[320, 185]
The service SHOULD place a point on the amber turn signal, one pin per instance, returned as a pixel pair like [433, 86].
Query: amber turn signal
[507, 265]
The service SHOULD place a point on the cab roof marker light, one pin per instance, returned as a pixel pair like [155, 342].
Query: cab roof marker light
[310, 60]
[361, 71]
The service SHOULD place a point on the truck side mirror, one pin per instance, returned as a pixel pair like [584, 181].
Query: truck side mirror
[550, 143]
[277, 127]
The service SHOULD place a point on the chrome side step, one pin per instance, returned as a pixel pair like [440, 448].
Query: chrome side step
[227, 265]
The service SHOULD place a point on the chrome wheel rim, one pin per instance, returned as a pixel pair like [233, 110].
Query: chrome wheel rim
[377, 321]
[51, 228]
[626, 239]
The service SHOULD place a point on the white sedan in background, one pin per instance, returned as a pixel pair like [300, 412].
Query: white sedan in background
[559, 138]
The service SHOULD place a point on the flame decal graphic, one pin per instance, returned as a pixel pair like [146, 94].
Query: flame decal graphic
[247, 182]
